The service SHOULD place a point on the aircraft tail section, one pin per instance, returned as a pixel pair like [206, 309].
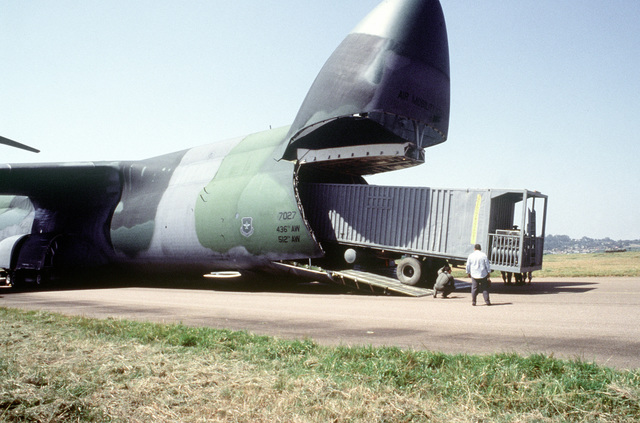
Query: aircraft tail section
[387, 82]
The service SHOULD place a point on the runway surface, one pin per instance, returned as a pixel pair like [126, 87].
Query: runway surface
[593, 319]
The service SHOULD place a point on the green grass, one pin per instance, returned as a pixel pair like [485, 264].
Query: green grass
[594, 264]
[55, 368]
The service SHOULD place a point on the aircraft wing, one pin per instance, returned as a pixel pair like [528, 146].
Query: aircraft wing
[59, 186]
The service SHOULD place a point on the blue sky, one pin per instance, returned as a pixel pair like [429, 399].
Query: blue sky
[545, 94]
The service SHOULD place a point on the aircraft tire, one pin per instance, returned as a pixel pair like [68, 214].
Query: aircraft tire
[409, 271]
[11, 279]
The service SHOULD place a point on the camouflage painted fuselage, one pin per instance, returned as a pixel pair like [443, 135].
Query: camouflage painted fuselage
[231, 204]
[226, 205]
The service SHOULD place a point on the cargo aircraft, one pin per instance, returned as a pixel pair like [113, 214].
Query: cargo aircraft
[241, 205]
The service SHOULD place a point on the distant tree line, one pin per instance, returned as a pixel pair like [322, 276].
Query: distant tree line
[559, 244]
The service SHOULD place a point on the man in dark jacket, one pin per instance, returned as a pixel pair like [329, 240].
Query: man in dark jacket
[444, 282]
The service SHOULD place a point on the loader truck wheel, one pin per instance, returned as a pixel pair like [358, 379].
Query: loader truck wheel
[409, 271]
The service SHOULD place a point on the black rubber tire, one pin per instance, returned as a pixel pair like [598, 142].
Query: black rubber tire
[12, 279]
[409, 271]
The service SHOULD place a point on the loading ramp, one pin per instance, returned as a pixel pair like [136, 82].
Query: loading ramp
[377, 284]
[365, 282]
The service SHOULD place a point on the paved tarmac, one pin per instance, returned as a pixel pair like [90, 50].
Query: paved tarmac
[592, 319]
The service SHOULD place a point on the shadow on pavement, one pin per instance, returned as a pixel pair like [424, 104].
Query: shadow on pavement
[244, 283]
[534, 288]
[254, 282]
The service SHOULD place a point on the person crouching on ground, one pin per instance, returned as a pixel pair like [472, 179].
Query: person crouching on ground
[478, 269]
[444, 282]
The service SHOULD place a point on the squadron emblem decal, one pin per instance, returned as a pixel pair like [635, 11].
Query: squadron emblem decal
[247, 226]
